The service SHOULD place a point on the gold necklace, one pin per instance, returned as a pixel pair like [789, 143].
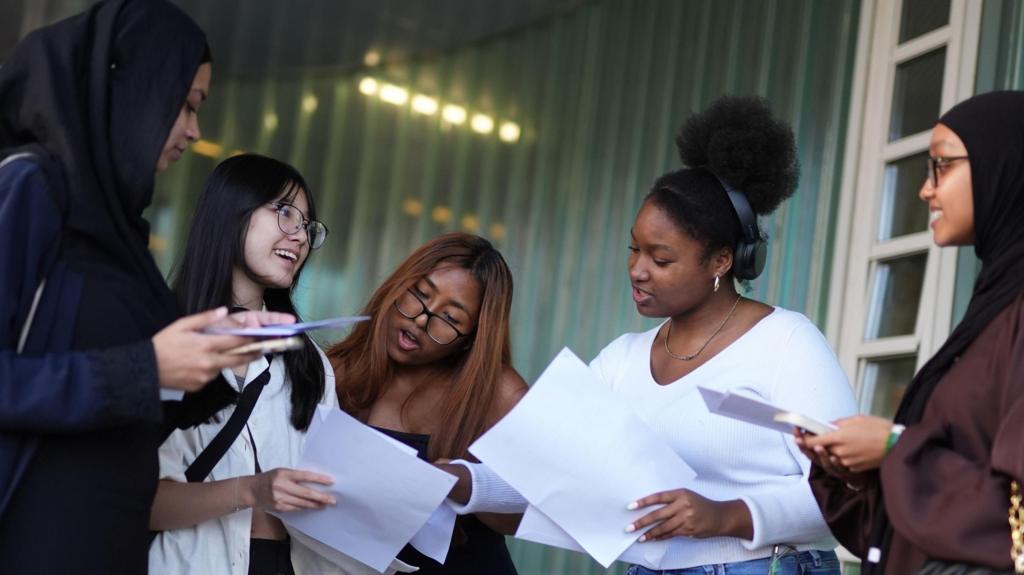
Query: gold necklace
[696, 353]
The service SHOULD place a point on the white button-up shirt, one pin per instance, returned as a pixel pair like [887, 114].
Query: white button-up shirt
[222, 545]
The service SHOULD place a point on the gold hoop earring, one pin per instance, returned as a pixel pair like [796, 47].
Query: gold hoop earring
[716, 283]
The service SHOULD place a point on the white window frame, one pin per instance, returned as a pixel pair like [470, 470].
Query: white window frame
[857, 250]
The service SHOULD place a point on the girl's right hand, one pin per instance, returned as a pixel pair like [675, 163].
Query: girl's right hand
[281, 490]
[187, 359]
[820, 456]
[859, 444]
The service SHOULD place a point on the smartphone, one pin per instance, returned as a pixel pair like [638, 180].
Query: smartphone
[805, 423]
[265, 346]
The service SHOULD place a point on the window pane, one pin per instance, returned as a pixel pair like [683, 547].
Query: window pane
[902, 211]
[917, 94]
[895, 297]
[884, 382]
[922, 16]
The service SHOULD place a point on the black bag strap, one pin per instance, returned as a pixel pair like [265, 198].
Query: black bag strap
[212, 454]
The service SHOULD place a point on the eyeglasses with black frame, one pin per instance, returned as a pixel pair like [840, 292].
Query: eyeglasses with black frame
[938, 163]
[442, 331]
[290, 220]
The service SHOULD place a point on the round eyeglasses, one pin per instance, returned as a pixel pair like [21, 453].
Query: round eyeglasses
[439, 328]
[291, 219]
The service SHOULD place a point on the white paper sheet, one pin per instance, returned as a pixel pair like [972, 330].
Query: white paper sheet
[385, 494]
[337, 562]
[743, 407]
[574, 450]
[434, 539]
[539, 528]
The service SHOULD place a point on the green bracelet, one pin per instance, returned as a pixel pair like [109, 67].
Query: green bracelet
[894, 435]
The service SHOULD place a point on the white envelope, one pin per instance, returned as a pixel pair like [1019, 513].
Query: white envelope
[743, 407]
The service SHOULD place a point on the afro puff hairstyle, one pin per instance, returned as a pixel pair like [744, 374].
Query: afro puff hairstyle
[735, 140]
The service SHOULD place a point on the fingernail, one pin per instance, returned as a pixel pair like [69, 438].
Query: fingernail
[332, 501]
[632, 506]
[631, 528]
[221, 311]
[642, 539]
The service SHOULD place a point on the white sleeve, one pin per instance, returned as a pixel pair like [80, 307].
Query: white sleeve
[809, 381]
[173, 456]
[490, 493]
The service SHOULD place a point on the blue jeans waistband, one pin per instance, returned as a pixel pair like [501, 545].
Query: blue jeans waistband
[811, 562]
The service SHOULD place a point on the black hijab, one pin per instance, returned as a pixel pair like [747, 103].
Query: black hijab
[991, 127]
[95, 97]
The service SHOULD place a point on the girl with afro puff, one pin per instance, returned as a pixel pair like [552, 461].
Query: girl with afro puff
[750, 509]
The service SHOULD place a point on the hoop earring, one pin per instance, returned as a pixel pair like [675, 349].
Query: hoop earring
[716, 283]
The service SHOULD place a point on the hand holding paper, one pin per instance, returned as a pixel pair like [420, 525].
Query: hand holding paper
[684, 513]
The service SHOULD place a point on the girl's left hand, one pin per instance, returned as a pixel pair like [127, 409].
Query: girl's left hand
[688, 514]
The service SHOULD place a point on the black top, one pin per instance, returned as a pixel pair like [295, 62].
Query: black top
[475, 548]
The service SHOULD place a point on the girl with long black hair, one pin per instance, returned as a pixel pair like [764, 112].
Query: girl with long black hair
[253, 229]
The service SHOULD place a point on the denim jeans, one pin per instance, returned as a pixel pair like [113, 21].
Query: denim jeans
[802, 563]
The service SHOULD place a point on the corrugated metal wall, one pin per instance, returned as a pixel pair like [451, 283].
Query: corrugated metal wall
[597, 94]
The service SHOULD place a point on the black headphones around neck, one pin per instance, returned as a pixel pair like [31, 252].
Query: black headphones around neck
[749, 256]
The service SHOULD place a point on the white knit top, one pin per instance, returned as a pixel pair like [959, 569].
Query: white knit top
[783, 359]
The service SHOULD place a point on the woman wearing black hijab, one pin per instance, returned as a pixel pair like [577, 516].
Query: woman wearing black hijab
[90, 109]
[936, 484]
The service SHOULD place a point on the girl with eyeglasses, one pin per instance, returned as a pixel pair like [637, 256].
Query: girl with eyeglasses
[432, 369]
[931, 490]
[251, 235]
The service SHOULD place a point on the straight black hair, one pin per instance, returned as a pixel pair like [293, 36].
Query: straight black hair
[236, 188]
